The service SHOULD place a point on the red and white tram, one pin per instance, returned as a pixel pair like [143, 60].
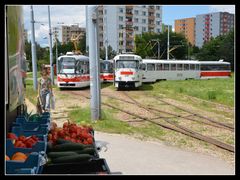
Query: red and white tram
[73, 71]
[127, 71]
[215, 69]
[107, 70]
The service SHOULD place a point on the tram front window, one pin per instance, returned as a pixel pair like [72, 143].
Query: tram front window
[67, 65]
[127, 64]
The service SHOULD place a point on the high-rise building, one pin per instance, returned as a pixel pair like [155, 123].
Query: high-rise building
[25, 34]
[118, 24]
[212, 25]
[186, 26]
[64, 33]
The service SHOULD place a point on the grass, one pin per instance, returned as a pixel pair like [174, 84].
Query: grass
[31, 94]
[30, 74]
[215, 90]
[110, 124]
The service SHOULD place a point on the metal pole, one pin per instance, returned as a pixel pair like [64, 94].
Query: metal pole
[50, 46]
[98, 89]
[158, 49]
[106, 39]
[168, 45]
[34, 57]
[91, 26]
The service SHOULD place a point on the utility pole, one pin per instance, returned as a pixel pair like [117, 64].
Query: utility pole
[106, 38]
[158, 49]
[168, 45]
[34, 57]
[94, 62]
[50, 46]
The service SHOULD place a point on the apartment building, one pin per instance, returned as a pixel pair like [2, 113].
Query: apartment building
[212, 25]
[186, 26]
[64, 33]
[118, 24]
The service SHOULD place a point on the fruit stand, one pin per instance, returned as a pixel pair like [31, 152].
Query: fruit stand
[36, 145]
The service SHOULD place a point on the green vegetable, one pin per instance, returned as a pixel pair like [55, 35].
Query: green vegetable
[90, 151]
[73, 158]
[60, 154]
[68, 147]
[62, 141]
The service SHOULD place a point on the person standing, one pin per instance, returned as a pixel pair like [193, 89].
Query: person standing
[45, 90]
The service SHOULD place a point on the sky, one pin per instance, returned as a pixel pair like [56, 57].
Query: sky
[75, 14]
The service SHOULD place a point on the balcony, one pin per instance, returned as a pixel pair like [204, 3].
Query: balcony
[129, 7]
[129, 47]
[151, 18]
[130, 23]
[129, 29]
[129, 14]
[152, 10]
[129, 38]
[151, 26]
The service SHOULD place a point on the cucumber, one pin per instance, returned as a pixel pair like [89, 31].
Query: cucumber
[72, 159]
[68, 147]
[62, 141]
[61, 154]
[88, 150]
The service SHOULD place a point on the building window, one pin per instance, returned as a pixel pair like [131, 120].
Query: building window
[136, 28]
[120, 18]
[144, 13]
[158, 15]
[136, 20]
[158, 7]
[158, 22]
[121, 10]
[158, 30]
[136, 12]
[144, 29]
[144, 21]
[120, 26]
[143, 6]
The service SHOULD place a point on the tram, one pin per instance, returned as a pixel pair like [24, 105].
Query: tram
[127, 71]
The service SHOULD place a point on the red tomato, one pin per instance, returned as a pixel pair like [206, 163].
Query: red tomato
[12, 136]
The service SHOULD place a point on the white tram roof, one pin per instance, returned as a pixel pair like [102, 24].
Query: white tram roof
[214, 62]
[136, 57]
[171, 61]
[77, 57]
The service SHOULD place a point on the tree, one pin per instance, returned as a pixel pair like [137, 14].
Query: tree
[82, 44]
[221, 47]
[145, 45]
[111, 53]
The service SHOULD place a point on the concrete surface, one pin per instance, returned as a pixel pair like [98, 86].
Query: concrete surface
[127, 155]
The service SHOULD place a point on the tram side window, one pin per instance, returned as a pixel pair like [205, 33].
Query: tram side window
[186, 67]
[166, 67]
[173, 67]
[179, 67]
[151, 67]
[143, 67]
[192, 66]
[158, 67]
[197, 66]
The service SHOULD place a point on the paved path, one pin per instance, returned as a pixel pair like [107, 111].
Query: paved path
[126, 155]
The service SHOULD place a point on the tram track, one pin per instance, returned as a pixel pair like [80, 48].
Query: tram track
[171, 125]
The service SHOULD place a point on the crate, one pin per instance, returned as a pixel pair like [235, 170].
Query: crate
[95, 166]
[40, 146]
[19, 130]
[31, 126]
[30, 166]
[43, 120]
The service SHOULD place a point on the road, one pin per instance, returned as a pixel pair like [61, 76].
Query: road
[127, 155]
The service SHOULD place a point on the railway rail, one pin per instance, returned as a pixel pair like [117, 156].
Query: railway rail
[171, 125]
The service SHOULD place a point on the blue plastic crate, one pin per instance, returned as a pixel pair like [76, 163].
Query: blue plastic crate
[31, 126]
[40, 146]
[31, 165]
[19, 130]
[42, 120]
